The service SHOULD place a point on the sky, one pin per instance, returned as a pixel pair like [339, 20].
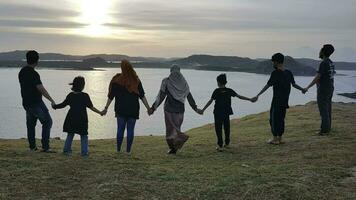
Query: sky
[177, 28]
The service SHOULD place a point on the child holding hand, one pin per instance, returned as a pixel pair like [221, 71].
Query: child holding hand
[76, 121]
[222, 110]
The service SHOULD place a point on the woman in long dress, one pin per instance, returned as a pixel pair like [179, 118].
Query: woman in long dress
[175, 90]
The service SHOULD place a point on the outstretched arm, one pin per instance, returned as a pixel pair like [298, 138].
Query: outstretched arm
[192, 103]
[45, 93]
[259, 94]
[314, 81]
[160, 98]
[108, 102]
[208, 104]
[61, 105]
[96, 110]
[296, 86]
[243, 97]
[145, 102]
[263, 90]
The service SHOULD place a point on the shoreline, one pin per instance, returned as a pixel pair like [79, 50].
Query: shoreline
[102, 68]
[351, 95]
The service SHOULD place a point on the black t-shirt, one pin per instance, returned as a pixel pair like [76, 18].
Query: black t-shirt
[126, 103]
[281, 81]
[77, 117]
[222, 97]
[29, 79]
[327, 72]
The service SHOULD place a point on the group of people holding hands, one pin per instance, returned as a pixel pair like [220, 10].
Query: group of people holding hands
[126, 89]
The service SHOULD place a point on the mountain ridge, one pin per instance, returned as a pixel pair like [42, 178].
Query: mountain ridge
[299, 66]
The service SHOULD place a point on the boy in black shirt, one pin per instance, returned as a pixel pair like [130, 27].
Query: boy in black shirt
[222, 110]
[325, 83]
[281, 79]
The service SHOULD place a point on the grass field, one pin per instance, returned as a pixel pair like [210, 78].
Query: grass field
[307, 166]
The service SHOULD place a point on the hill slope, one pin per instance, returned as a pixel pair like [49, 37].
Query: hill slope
[306, 167]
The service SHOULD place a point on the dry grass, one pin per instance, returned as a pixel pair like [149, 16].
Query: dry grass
[306, 167]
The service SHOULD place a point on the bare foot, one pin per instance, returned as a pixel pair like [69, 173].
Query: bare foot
[273, 141]
[219, 149]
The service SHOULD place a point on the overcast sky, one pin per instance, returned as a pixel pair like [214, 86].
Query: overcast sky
[175, 28]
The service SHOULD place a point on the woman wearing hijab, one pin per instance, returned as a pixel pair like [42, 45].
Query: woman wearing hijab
[127, 89]
[175, 90]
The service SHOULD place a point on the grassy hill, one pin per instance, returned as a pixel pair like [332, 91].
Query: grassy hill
[306, 167]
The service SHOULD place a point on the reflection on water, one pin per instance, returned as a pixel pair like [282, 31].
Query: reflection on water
[202, 84]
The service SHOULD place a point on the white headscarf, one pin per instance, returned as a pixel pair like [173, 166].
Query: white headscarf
[176, 84]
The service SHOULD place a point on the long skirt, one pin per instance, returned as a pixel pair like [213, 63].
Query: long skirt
[175, 137]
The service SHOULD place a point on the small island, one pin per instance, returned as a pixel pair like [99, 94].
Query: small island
[349, 95]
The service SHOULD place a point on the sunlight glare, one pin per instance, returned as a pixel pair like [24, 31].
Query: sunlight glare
[95, 14]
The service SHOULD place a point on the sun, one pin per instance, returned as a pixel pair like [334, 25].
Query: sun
[95, 14]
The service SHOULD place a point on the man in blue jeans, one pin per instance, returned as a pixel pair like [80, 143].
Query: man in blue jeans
[32, 91]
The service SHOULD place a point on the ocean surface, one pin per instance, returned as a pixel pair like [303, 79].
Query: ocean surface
[202, 84]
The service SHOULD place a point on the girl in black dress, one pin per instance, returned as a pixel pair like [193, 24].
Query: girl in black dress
[76, 121]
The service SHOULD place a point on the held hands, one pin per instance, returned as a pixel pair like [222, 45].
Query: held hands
[150, 111]
[305, 90]
[104, 112]
[254, 99]
[199, 111]
[53, 104]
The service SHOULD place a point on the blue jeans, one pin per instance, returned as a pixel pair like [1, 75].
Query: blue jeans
[83, 142]
[129, 124]
[38, 112]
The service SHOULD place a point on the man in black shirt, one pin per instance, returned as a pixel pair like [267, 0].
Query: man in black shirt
[32, 91]
[281, 79]
[325, 84]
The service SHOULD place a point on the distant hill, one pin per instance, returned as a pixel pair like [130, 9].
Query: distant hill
[20, 55]
[299, 66]
[224, 61]
[234, 63]
[338, 65]
[290, 63]
[96, 60]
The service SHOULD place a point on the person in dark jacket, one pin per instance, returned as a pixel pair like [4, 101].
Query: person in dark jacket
[76, 121]
[324, 80]
[126, 88]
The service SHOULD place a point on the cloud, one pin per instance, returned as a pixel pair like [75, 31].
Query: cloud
[235, 15]
[31, 23]
[253, 28]
[27, 11]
